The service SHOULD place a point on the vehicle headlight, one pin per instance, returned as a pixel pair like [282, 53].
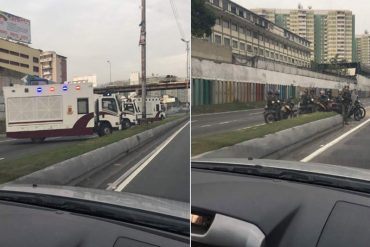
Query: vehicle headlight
[273, 102]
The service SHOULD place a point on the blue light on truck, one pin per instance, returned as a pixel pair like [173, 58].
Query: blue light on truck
[39, 89]
[65, 88]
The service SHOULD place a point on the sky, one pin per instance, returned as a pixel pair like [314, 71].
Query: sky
[360, 8]
[90, 32]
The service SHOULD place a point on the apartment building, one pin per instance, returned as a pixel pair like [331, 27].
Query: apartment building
[250, 35]
[363, 48]
[331, 32]
[53, 67]
[19, 57]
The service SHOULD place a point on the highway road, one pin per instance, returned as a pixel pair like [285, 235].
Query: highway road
[347, 147]
[159, 168]
[212, 123]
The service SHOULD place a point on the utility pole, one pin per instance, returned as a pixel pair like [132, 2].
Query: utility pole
[187, 62]
[110, 72]
[143, 59]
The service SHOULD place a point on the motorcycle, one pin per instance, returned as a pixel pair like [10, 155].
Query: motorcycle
[307, 106]
[278, 110]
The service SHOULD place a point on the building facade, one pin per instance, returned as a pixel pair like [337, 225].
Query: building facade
[53, 67]
[331, 32]
[363, 48]
[85, 79]
[250, 35]
[19, 57]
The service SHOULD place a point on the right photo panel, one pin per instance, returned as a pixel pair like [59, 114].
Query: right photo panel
[279, 132]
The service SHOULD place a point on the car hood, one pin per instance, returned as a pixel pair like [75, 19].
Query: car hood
[123, 199]
[317, 168]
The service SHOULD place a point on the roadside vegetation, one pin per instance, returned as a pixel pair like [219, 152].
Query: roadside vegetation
[226, 107]
[216, 141]
[11, 169]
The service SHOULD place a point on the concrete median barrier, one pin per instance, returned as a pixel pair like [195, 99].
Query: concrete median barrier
[67, 171]
[286, 139]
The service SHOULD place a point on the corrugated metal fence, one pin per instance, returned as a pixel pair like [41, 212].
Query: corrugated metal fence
[206, 92]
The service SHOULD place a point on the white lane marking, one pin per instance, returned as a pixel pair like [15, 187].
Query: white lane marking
[248, 127]
[332, 143]
[2, 158]
[128, 176]
[203, 126]
[224, 122]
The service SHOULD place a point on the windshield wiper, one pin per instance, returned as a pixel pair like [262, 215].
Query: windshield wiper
[102, 210]
[287, 174]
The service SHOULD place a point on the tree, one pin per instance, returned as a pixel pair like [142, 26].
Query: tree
[202, 18]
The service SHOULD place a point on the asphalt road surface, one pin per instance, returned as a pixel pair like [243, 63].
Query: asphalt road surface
[347, 147]
[159, 168]
[213, 123]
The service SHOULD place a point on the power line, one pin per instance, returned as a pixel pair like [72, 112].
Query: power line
[175, 14]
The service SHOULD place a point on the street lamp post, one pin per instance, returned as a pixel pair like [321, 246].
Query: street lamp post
[110, 72]
[143, 58]
[187, 59]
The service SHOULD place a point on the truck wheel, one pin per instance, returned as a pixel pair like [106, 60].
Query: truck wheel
[38, 140]
[105, 129]
[126, 124]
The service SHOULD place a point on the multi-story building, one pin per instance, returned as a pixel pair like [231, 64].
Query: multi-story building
[85, 79]
[331, 32]
[19, 57]
[363, 48]
[250, 35]
[53, 67]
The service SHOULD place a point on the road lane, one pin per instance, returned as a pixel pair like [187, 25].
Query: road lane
[168, 173]
[213, 123]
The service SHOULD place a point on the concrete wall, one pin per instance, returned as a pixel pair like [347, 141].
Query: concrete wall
[206, 50]
[210, 70]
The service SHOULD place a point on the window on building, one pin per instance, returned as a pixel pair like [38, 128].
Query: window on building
[248, 33]
[234, 27]
[226, 24]
[267, 54]
[4, 50]
[35, 60]
[218, 22]
[260, 52]
[23, 55]
[35, 69]
[14, 53]
[82, 106]
[4, 61]
[241, 13]
[227, 42]
[249, 48]
[241, 30]
[235, 44]
[218, 39]
[233, 9]
[255, 35]
[14, 63]
[242, 46]
[24, 65]
[276, 56]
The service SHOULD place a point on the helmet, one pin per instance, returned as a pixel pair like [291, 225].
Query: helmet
[270, 92]
[277, 92]
[322, 92]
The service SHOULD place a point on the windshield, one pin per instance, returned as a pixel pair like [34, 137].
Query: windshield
[62, 78]
[291, 96]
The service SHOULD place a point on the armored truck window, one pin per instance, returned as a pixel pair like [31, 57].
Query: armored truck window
[82, 106]
[109, 104]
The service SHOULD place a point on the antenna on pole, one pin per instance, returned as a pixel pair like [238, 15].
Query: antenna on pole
[142, 43]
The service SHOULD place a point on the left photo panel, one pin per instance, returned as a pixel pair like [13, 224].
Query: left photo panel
[95, 123]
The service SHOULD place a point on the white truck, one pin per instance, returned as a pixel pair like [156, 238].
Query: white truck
[54, 110]
[132, 110]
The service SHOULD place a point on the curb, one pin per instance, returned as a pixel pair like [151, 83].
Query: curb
[67, 171]
[274, 143]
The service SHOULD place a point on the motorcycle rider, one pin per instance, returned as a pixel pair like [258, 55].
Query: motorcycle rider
[278, 105]
[270, 98]
[346, 103]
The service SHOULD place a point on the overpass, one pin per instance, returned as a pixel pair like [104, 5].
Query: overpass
[137, 88]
